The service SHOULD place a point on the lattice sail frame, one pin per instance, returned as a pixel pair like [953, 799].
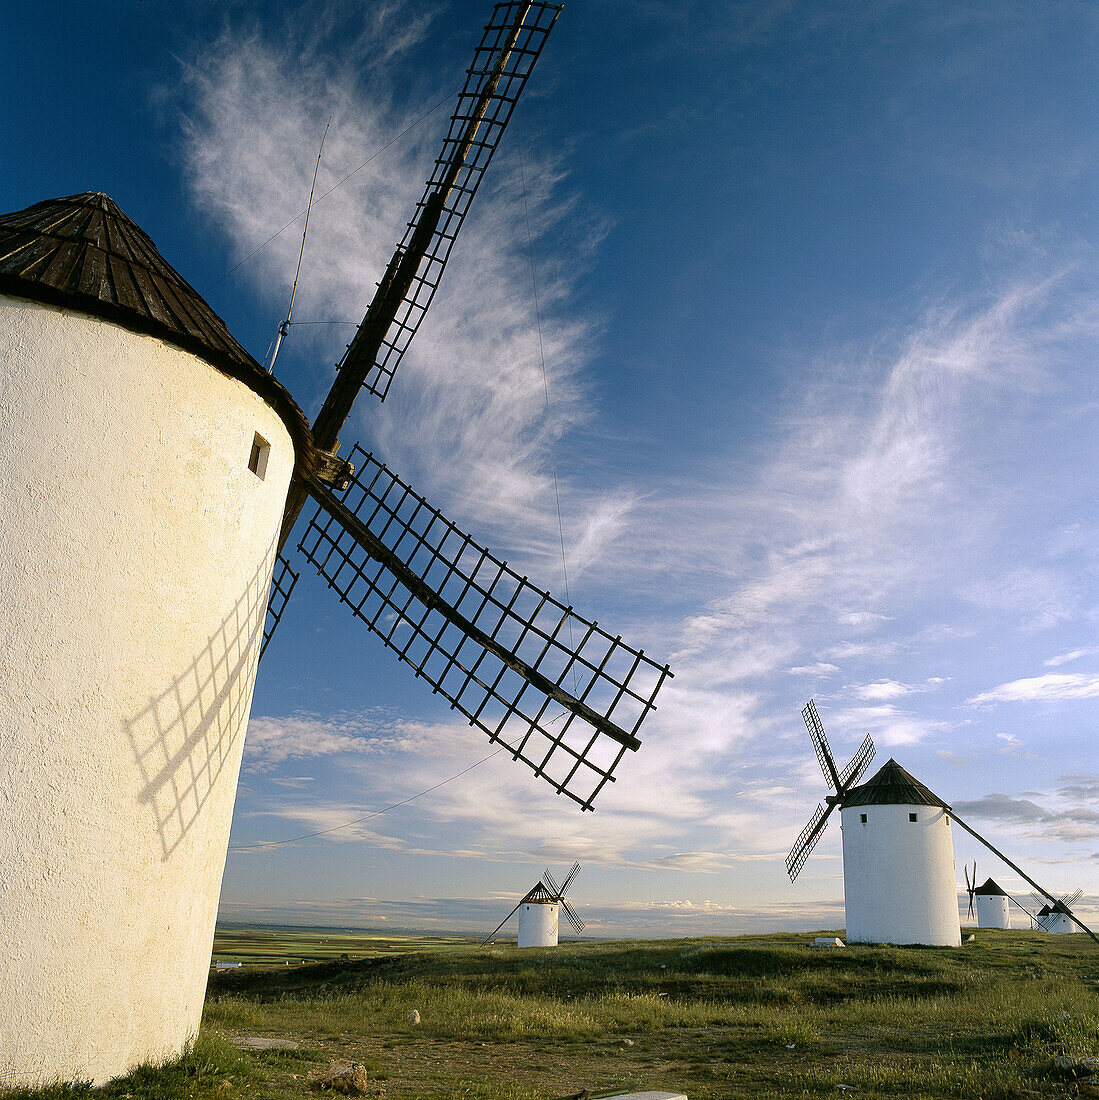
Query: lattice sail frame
[840, 782]
[484, 108]
[850, 775]
[282, 584]
[807, 841]
[558, 895]
[820, 743]
[559, 693]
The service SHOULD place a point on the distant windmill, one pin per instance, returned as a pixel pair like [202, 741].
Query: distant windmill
[990, 901]
[150, 472]
[1056, 915]
[538, 912]
[898, 856]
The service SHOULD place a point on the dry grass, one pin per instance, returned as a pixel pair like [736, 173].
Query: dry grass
[747, 1016]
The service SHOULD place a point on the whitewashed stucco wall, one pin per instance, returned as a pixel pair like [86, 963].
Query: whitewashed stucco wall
[135, 556]
[992, 911]
[538, 924]
[898, 876]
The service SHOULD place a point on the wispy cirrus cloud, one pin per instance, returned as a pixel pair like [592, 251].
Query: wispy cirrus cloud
[1031, 689]
[485, 390]
[1072, 655]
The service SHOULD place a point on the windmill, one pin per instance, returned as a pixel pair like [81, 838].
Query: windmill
[1056, 914]
[989, 900]
[151, 472]
[898, 859]
[970, 887]
[898, 856]
[538, 912]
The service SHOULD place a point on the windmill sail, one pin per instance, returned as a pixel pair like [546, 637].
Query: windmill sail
[858, 765]
[282, 584]
[840, 783]
[571, 917]
[807, 841]
[569, 877]
[570, 913]
[559, 693]
[511, 44]
[820, 743]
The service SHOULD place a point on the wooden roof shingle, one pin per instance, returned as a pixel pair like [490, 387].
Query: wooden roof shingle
[82, 252]
[891, 785]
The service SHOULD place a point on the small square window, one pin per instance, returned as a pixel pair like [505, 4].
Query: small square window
[257, 460]
[913, 817]
[862, 819]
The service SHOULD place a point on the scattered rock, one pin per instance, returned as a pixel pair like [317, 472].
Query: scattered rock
[827, 941]
[625, 1042]
[789, 1046]
[348, 1078]
[1078, 1067]
[264, 1042]
[971, 938]
[413, 1017]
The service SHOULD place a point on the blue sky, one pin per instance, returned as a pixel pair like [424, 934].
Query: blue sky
[817, 292]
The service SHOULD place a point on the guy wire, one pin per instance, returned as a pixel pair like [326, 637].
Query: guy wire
[335, 186]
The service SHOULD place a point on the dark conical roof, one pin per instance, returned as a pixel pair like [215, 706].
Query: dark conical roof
[540, 892]
[82, 252]
[891, 785]
[990, 888]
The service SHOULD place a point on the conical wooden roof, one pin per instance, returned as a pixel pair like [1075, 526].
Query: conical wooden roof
[990, 888]
[891, 785]
[82, 252]
[540, 893]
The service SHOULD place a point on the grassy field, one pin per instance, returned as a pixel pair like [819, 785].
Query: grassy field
[751, 1016]
[283, 946]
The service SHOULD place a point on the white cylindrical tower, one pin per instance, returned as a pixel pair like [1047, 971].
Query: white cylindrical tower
[538, 923]
[992, 906]
[1053, 919]
[144, 465]
[898, 863]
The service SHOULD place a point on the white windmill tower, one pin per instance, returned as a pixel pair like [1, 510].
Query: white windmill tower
[539, 910]
[991, 902]
[1056, 915]
[898, 858]
[150, 471]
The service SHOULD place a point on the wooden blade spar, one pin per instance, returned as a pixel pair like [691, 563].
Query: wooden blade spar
[567, 702]
[377, 550]
[372, 337]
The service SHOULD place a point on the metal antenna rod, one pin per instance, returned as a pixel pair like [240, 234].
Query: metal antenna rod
[284, 328]
[1019, 871]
